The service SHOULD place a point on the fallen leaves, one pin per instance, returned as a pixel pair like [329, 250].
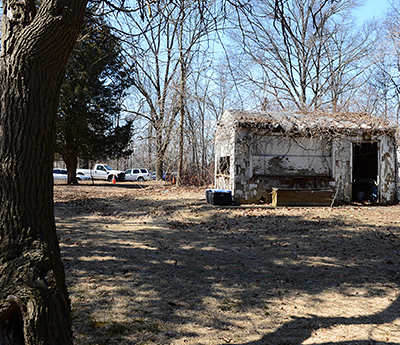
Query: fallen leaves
[226, 340]
[201, 274]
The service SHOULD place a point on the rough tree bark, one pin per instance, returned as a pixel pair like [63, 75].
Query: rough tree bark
[34, 304]
[72, 164]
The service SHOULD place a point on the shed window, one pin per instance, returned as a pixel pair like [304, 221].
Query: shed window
[224, 165]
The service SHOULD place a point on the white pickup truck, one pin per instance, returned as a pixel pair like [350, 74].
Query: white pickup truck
[103, 172]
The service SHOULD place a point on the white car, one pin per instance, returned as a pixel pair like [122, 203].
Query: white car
[61, 175]
[82, 177]
[137, 175]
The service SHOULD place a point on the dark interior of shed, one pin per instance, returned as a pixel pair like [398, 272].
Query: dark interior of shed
[365, 171]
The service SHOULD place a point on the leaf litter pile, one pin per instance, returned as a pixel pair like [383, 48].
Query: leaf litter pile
[151, 263]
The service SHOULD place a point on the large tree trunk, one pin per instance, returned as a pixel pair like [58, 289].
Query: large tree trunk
[34, 304]
[72, 164]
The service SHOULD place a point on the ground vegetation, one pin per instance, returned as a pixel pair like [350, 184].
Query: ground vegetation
[155, 264]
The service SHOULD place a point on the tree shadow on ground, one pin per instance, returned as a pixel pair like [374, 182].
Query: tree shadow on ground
[213, 266]
[300, 329]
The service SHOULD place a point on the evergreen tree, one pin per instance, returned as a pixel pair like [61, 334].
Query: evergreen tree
[88, 124]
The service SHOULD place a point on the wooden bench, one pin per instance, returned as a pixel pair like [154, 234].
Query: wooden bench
[301, 197]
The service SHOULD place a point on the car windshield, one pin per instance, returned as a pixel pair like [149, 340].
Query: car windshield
[107, 167]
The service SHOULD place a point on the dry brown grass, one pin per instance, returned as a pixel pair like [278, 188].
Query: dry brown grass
[154, 264]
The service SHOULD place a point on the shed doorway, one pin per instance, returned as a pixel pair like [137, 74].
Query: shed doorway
[365, 172]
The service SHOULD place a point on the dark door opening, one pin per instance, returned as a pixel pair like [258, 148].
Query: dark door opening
[365, 171]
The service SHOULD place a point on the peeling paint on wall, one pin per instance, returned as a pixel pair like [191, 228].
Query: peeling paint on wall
[387, 170]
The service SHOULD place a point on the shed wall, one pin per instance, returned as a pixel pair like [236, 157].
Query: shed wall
[276, 155]
[342, 174]
[264, 161]
[259, 162]
[387, 173]
[260, 159]
[225, 150]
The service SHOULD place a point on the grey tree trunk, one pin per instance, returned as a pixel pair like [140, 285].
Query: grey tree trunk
[34, 303]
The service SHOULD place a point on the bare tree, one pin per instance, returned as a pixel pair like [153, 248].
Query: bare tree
[348, 57]
[382, 92]
[153, 61]
[212, 90]
[306, 51]
[171, 35]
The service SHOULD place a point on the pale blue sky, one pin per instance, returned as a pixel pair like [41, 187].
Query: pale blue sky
[372, 8]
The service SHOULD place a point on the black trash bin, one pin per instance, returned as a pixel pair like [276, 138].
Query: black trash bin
[220, 197]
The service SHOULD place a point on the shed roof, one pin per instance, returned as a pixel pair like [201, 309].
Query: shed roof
[302, 122]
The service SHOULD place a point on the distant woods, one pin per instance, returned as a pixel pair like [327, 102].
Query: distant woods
[185, 62]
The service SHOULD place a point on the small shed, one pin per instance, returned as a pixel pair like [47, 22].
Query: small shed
[353, 154]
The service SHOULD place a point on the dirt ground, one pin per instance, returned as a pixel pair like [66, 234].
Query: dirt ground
[149, 263]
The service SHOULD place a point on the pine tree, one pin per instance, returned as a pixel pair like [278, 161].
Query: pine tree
[90, 102]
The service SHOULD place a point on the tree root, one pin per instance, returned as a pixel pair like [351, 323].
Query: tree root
[34, 305]
[15, 304]
[11, 321]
